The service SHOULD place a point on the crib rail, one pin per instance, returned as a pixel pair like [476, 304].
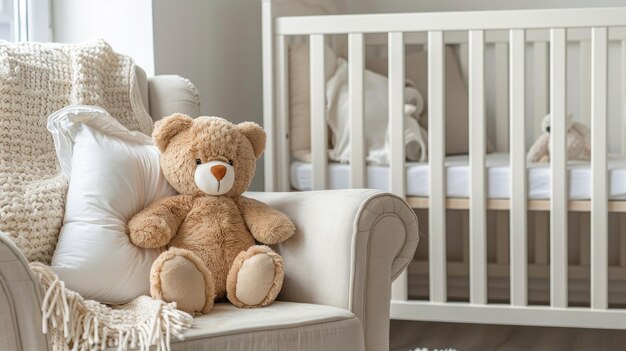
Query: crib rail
[450, 21]
[514, 30]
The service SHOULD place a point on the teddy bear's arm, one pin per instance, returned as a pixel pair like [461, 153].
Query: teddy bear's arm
[158, 223]
[266, 224]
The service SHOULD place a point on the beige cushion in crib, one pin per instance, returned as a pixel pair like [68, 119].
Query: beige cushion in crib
[299, 94]
[416, 63]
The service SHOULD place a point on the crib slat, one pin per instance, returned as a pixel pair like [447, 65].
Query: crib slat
[540, 85]
[396, 113]
[319, 137]
[355, 66]
[478, 210]
[282, 112]
[623, 98]
[558, 203]
[502, 101]
[585, 82]
[599, 190]
[396, 125]
[518, 213]
[436, 147]
[267, 38]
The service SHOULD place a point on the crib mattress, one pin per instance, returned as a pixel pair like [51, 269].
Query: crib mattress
[458, 178]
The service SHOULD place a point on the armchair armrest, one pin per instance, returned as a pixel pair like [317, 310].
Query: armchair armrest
[348, 248]
[170, 94]
[20, 302]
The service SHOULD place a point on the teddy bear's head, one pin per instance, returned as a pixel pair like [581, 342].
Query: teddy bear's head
[208, 155]
[547, 121]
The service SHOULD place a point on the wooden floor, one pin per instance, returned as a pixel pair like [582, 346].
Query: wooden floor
[407, 335]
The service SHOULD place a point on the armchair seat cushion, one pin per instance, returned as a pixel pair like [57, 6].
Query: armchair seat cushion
[280, 326]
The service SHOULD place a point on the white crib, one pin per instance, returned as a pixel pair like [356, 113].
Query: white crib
[534, 238]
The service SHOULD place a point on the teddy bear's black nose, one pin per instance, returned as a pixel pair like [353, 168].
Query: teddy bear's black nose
[548, 129]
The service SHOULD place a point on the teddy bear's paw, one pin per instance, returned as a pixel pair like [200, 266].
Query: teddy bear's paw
[150, 233]
[179, 276]
[255, 278]
[280, 232]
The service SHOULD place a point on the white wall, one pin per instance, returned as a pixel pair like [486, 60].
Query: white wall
[125, 24]
[216, 44]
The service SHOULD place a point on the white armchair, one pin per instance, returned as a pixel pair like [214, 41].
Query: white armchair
[348, 248]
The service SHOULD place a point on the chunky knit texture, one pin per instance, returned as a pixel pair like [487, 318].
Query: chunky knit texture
[35, 80]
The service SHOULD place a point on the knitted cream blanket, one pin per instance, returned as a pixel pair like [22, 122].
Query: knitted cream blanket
[36, 80]
[78, 324]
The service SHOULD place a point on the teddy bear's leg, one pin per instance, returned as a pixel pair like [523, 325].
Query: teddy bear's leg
[255, 278]
[178, 275]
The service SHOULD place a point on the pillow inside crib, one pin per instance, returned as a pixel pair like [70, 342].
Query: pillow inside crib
[300, 91]
[456, 100]
[114, 173]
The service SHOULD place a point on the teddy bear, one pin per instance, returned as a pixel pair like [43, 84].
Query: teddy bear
[209, 232]
[578, 142]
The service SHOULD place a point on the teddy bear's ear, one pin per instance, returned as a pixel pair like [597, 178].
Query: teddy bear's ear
[255, 134]
[545, 123]
[168, 127]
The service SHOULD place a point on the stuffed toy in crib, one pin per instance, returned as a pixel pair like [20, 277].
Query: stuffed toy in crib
[209, 231]
[578, 142]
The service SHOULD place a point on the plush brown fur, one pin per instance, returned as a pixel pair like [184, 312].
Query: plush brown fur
[217, 231]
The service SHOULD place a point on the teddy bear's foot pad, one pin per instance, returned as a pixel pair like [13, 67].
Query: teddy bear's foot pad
[179, 276]
[255, 277]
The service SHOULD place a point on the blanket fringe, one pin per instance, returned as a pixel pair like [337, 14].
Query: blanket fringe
[81, 324]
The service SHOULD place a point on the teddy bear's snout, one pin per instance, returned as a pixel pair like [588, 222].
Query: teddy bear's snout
[218, 171]
[215, 177]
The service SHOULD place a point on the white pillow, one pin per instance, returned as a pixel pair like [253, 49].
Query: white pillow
[114, 173]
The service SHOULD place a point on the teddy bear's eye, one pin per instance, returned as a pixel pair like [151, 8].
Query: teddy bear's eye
[198, 161]
[230, 162]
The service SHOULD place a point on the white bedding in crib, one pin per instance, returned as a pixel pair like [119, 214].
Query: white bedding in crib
[375, 119]
[458, 182]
